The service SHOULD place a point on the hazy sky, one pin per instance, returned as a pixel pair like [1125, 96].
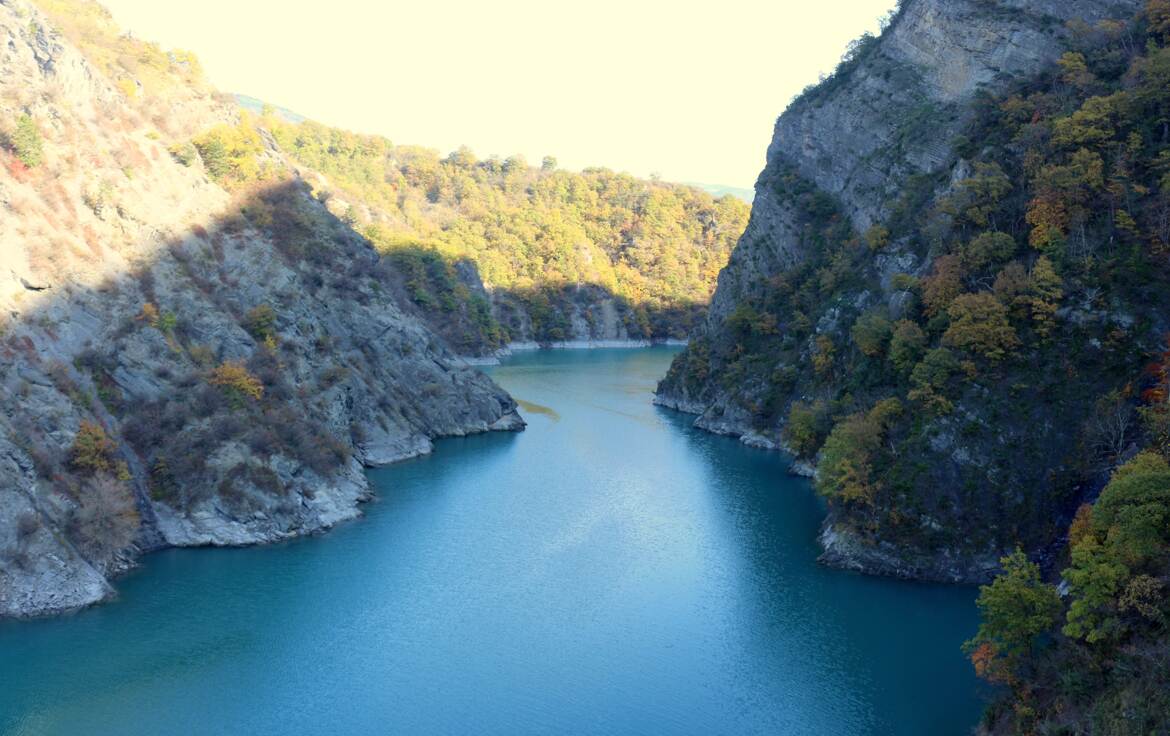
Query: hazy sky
[688, 90]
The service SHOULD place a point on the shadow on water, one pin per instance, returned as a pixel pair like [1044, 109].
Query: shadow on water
[885, 636]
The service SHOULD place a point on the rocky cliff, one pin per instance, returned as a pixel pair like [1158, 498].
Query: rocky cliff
[181, 365]
[866, 246]
[891, 115]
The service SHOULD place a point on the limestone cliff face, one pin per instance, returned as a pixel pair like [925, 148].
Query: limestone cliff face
[128, 282]
[880, 133]
[894, 114]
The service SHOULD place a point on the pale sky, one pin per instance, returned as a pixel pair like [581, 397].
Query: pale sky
[688, 90]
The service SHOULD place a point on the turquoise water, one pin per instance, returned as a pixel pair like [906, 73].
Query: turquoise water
[608, 571]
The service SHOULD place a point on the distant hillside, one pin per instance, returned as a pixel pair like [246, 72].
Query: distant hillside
[498, 250]
[256, 107]
[501, 251]
[722, 190]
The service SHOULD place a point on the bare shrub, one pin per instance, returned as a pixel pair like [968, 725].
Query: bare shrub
[105, 520]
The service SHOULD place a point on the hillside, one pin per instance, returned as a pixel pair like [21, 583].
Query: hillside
[937, 315]
[184, 360]
[499, 251]
[953, 311]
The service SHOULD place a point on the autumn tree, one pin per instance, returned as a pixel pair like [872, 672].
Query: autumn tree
[979, 197]
[943, 285]
[231, 153]
[1045, 296]
[1074, 71]
[260, 322]
[848, 468]
[93, 451]
[237, 382]
[1128, 537]
[877, 237]
[806, 427]
[979, 324]
[1013, 289]
[1158, 15]
[1016, 608]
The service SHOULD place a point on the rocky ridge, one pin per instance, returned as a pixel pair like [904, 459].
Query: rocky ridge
[181, 365]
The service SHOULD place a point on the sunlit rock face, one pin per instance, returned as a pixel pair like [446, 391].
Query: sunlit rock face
[128, 282]
[895, 114]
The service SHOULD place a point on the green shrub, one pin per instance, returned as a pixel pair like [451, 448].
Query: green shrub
[27, 143]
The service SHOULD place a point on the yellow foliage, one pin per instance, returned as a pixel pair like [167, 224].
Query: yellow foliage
[234, 377]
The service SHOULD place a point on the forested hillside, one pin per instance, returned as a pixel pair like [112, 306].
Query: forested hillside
[563, 255]
[968, 341]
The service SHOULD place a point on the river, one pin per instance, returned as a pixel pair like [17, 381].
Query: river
[608, 571]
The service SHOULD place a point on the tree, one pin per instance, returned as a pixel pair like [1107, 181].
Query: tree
[215, 156]
[231, 153]
[877, 237]
[979, 197]
[931, 377]
[462, 158]
[27, 142]
[1096, 580]
[1016, 608]
[1128, 535]
[1013, 288]
[907, 344]
[987, 249]
[260, 322]
[871, 332]
[979, 324]
[1046, 293]
[847, 470]
[823, 355]
[105, 520]
[93, 451]
[943, 285]
[806, 427]
[1158, 14]
[515, 164]
[237, 382]
[548, 163]
[1075, 71]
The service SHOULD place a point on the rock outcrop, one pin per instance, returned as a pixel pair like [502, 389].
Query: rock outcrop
[181, 365]
[893, 113]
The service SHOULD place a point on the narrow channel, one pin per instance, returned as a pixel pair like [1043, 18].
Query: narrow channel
[609, 571]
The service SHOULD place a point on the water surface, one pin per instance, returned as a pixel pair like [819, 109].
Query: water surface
[608, 571]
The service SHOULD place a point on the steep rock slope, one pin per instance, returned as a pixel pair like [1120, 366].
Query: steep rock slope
[590, 255]
[860, 319]
[180, 364]
[891, 115]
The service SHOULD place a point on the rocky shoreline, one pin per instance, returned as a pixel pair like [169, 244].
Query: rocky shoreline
[183, 363]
